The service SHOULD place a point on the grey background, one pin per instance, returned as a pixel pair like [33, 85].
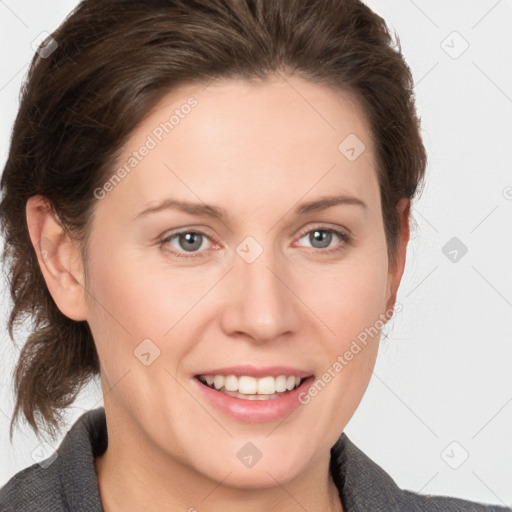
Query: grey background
[437, 415]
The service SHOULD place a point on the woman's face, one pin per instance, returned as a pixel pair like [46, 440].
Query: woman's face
[241, 274]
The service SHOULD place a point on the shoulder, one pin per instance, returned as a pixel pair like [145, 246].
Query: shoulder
[364, 486]
[426, 503]
[34, 488]
[66, 481]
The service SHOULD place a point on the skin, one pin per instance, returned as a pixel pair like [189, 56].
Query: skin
[269, 149]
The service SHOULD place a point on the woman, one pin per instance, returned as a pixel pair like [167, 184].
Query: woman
[207, 204]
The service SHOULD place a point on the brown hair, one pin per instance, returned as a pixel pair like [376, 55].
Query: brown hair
[114, 61]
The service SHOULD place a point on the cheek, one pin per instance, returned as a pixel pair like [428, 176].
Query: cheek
[132, 301]
[350, 297]
[352, 303]
[353, 311]
[145, 299]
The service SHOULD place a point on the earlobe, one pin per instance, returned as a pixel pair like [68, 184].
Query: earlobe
[396, 271]
[58, 257]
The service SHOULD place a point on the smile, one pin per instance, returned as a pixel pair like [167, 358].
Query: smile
[247, 387]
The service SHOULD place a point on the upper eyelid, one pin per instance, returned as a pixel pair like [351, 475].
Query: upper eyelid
[343, 234]
[325, 227]
[183, 231]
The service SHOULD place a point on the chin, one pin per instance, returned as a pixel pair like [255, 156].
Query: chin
[256, 473]
[256, 479]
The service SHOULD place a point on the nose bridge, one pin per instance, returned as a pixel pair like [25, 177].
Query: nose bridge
[261, 304]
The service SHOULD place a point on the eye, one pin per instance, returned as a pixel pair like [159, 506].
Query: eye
[185, 241]
[322, 237]
[192, 242]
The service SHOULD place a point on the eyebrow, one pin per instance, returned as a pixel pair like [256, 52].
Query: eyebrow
[205, 210]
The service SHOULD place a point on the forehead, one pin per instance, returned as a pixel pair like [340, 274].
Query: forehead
[238, 142]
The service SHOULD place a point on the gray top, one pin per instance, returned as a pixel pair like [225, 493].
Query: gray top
[69, 483]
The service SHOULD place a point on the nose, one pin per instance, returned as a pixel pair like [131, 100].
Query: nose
[261, 304]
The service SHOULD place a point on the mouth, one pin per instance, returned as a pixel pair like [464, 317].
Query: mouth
[247, 387]
[251, 394]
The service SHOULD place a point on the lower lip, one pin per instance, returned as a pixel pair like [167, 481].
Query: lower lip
[255, 411]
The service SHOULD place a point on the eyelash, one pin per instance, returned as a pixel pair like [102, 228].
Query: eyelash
[346, 239]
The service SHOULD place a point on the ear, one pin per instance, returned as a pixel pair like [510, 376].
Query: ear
[58, 256]
[396, 270]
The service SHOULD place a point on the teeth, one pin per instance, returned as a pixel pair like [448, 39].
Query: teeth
[231, 383]
[247, 385]
[266, 386]
[281, 384]
[218, 381]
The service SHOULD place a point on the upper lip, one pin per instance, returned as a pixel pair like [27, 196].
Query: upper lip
[257, 372]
